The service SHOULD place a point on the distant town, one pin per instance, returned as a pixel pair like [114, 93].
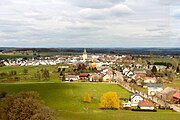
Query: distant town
[153, 81]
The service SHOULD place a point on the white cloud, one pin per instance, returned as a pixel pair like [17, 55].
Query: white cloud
[117, 10]
[176, 13]
[96, 3]
[169, 2]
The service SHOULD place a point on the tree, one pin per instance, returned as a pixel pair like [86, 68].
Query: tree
[110, 100]
[63, 77]
[25, 71]
[3, 94]
[170, 76]
[37, 75]
[177, 70]
[12, 72]
[86, 97]
[45, 74]
[154, 69]
[174, 64]
[25, 106]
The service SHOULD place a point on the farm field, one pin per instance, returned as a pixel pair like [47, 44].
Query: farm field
[42, 54]
[66, 100]
[163, 59]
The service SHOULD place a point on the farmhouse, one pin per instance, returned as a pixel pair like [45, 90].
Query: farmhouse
[146, 105]
[84, 76]
[135, 98]
[176, 98]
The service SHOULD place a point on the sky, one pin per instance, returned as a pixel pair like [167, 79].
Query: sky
[90, 23]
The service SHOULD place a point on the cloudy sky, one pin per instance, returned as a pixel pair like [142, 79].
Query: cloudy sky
[90, 23]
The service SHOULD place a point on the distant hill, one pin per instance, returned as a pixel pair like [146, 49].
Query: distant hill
[119, 51]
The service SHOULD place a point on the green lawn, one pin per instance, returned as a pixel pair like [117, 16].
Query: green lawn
[66, 100]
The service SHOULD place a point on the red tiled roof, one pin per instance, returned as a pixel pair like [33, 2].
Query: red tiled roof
[145, 103]
[84, 75]
[177, 95]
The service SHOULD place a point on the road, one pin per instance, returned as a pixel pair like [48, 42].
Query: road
[122, 83]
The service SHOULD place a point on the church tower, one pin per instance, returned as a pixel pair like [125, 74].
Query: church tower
[84, 56]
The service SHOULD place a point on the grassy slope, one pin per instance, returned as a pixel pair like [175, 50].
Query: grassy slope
[66, 99]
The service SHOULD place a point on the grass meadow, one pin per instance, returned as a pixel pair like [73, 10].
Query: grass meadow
[29, 77]
[66, 100]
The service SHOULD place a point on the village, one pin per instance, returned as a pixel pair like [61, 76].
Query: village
[144, 80]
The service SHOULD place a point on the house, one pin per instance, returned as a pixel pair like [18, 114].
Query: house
[108, 78]
[135, 77]
[135, 98]
[147, 80]
[154, 88]
[95, 77]
[140, 73]
[167, 93]
[176, 98]
[139, 82]
[84, 76]
[125, 71]
[126, 105]
[130, 74]
[71, 78]
[146, 105]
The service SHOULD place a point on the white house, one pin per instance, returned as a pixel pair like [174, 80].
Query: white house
[154, 88]
[125, 71]
[135, 99]
[126, 105]
[130, 74]
[71, 78]
[149, 80]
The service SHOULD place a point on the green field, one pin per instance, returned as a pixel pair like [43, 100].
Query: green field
[42, 54]
[29, 77]
[163, 59]
[66, 100]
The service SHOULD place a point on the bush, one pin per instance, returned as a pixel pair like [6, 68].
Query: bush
[110, 100]
[3, 94]
[24, 106]
[86, 98]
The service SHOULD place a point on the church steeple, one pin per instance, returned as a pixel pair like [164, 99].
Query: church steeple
[85, 51]
[84, 56]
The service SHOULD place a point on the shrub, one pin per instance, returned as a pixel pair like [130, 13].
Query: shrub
[110, 100]
[24, 106]
[3, 94]
[86, 97]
